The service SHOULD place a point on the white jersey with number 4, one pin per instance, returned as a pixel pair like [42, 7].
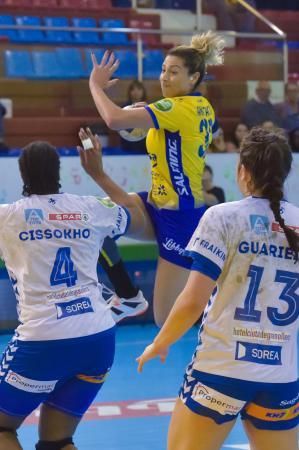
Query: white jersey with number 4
[250, 324]
[50, 245]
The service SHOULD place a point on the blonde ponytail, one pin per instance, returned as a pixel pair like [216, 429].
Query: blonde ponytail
[210, 46]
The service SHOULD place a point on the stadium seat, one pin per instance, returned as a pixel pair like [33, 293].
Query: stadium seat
[152, 63]
[18, 64]
[122, 3]
[30, 36]
[69, 4]
[20, 3]
[128, 64]
[8, 20]
[109, 37]
[99, 52]
[95, 4]
[144, 24]
[71, 63]
[45, 65]
[44, 3]
[56, 36]
[85, 37]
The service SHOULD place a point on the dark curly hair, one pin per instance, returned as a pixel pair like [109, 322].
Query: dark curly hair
[268, 158]
[40, 169]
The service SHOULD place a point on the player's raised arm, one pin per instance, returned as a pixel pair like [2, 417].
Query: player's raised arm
[91, 161]
[114, 116]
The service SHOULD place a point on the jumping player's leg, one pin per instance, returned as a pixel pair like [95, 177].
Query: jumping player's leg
[130, 300]
[271, 439]
[113, 265]
[170, 281]
[8, 436]
[191, 431]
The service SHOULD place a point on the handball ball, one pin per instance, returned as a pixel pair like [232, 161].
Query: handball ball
[133, 134]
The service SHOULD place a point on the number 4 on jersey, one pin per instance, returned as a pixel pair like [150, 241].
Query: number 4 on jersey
[63, 270]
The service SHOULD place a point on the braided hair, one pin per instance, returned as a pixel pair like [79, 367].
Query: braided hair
[39, 166]
[268, 158]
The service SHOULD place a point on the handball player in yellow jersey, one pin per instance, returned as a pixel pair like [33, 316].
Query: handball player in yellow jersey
[181, 126]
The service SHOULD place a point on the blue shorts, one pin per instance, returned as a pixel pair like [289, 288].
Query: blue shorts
[173, 229]
[268, 406]
[66, 374]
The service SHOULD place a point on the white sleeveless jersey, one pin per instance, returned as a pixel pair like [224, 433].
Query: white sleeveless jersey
[50, 245]
[250, 324]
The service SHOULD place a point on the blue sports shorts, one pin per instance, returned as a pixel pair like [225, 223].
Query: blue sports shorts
[65, 374]
[268, 406]
[173, 229]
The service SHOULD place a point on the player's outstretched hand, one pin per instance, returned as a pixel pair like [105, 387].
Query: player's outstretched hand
[91, 153]
[101, 73]
[150, 352]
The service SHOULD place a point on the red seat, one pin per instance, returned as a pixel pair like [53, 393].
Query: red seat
[69, 4]
[95, 4]
[44, 3]
[144, 24]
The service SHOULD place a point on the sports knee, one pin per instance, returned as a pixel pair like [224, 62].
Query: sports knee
[62, 444]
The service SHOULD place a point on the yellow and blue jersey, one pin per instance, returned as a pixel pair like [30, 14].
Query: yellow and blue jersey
[177, 145]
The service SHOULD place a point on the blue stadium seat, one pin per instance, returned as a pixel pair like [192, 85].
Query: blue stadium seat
[71, 63]
[45, 65]
[30, 36]
[122, 3]
[57, 36]
[85, 37]
[6, 19]
[152, 63]
[128, 64]
[18, 64]
[99, 52]
[109, 37]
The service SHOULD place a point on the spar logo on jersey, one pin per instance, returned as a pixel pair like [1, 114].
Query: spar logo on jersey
[67, 216]
[259, 224]
[34, 216]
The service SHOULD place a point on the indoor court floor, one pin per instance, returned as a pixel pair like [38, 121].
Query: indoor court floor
[132, 410]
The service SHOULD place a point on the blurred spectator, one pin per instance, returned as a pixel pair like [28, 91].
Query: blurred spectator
[268, 125]
[289, 109]
[212, 194]
[2, 114]
[218, 144]
[294, 140]
[260, 109]
[136, 93]
[230, 15]
[240, 131]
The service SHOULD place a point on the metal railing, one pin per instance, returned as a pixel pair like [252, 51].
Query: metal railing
[281, 36]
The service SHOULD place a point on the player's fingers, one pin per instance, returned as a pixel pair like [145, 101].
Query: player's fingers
[111, 60]
[105, 58]
[112, 82]
[114, 66]
[94, 59]
[140, 363]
